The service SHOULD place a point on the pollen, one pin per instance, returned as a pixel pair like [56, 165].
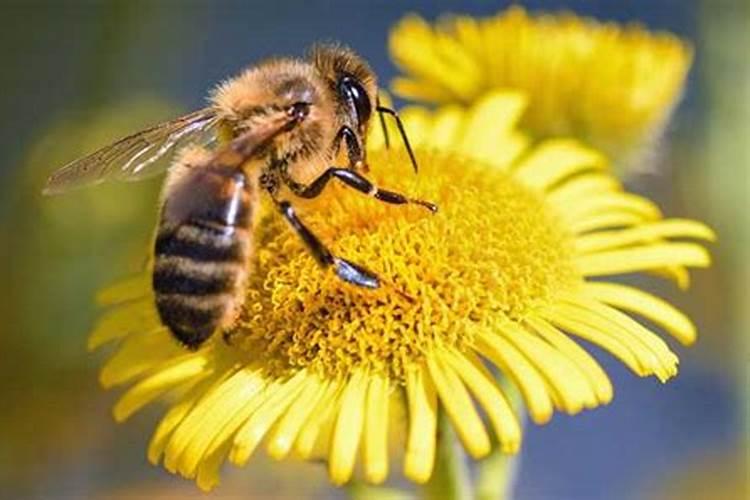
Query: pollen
[491, 252]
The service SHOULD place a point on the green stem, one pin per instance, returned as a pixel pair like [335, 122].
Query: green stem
[495, 476]
[496, 473]
[358, 490]
[450, 480]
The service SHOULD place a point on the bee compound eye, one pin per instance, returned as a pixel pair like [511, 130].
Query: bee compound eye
[353, 91]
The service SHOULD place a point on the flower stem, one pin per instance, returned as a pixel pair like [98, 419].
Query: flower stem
[450, 480]
[358, 490]
[497, 472]
[495, 476]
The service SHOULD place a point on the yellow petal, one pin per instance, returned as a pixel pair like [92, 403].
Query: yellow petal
[222, 412]
[531, 384]
[167, 376]
[125, 291]
[595, 206]
[375, 443]
[207, 477]
[664, 361]
[447, 127]
[419, 458]
[561, 376]
[324, 412]
[174, 417]
[575, 325]
[348, 430]
[563, 194]
[649, 306]
[136, 355]
[554, 160]
[285, 433]
[490, 397]
[641, 258]
[590, 368]
[605, 220]
[673, 228]
[254, 429]
[459, 408]
[135, 316]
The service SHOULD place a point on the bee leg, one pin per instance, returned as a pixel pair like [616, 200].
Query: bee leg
[347, 271]
[360, 183]
[357, 160]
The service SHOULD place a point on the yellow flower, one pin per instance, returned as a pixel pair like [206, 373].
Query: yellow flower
[610, 86]
[503, 277]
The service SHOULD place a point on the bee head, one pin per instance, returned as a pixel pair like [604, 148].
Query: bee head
[351, 81]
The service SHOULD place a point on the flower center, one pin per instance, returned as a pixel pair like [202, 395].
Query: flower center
[491, 253]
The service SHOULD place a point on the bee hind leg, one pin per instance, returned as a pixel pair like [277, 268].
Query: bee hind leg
[347, 271]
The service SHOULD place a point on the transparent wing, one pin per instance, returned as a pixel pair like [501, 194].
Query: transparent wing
[134, 157]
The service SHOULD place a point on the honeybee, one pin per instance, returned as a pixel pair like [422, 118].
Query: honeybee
[280, 127]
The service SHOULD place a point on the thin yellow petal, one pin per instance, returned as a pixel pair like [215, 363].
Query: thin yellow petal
[447, 126]
[309, 435]
[375, 442]
[255, 428]
[651, 360]
[207, 476]
[419, 458]
[217, 417]
[678, 275]
[486, 133]
[563, 194]
[136, 355]
[644, 304]
[459, 408]
[590, 368]
[631, 332]
[190, 425]
[174, 417]
[283, 436]
[595, 206]
[554, 160]
[419, 90]
[642, 258]
[166, 377]
[673, 228]
[348, 430]
[124, 291]
[561, 376]
[132, 317]
[417, 123]
[531, 384]
[605, 220]
[490, 397]
[594, 334]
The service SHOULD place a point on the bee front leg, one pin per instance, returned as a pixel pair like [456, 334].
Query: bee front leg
[347, 271]
[356, 154]
[360, 183]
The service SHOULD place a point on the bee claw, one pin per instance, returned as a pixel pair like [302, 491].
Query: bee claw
[355, 274]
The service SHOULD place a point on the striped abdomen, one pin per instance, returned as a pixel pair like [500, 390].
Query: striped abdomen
[201, 252]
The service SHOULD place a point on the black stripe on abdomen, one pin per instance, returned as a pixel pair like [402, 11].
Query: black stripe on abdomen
[196, 271]
[201, 241]
[192, 320]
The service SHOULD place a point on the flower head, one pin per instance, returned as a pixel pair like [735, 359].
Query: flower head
[504, 278]
[610, 86]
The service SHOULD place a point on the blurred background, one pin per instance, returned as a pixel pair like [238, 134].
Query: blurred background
[77, 74]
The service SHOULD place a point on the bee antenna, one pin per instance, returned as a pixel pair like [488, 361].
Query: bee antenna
[382, 122]
[394, 114]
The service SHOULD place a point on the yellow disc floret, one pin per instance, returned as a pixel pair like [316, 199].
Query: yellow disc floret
[492, 251]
